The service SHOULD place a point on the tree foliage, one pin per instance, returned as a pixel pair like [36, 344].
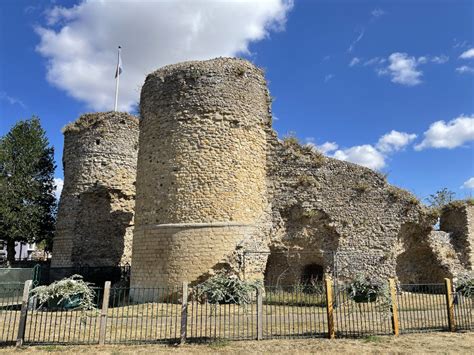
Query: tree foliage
[441, 198]
[27, 201]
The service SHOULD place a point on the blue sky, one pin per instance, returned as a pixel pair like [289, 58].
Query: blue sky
[389, 84]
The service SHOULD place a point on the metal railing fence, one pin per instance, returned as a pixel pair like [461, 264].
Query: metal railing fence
[178, 314]
[357, 317]
[137, 315]
[55, 324]
[422, 307]
[296, 311]
[10, 309]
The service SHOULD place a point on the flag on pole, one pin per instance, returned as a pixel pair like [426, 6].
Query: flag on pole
[118, 71]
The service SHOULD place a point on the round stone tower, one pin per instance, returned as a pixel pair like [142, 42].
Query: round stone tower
[201, 171]
[95, 216]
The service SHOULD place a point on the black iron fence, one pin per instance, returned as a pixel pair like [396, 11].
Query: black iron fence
[146, 315]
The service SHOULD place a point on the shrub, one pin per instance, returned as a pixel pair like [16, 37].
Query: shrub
[465, 285]
[226, 289]
[72, 292]
[364, 289]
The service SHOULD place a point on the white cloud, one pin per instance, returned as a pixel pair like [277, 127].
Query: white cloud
[373, 157]
[354, 61]
[467, 54]
[374, 61]
[468, 184]
[80, 42]
[394, 141]
[377, 12]
[59, 183]
[365, 155]
[465, 69]
[328, 77]
[403, 69]
[440, 59]
[356, 40]
[11, 100]
[448, 135]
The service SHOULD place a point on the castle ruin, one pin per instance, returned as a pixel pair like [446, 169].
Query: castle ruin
[217, 190]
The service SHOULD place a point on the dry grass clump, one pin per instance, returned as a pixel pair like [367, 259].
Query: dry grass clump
[89, 120]
[307, 152]
[403, 195]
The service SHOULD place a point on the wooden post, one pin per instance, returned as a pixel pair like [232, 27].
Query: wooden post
[184, 313]
[24, 313]
[259, 314]
[394, 307]
[450, 305]
[103, 313]
[330, 310]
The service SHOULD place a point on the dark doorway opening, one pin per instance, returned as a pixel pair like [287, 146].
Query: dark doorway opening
[312, 273]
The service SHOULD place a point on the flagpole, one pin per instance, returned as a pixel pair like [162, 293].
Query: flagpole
[117, 79]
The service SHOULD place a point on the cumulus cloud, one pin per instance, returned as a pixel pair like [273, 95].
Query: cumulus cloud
[465, 69]
[449, 135]
[467, 54]
[365, 155]
[324, 148]
[468, 184]
[80, 42]
[394, 141]
[371, 156]
[403, 69]
[58, 183]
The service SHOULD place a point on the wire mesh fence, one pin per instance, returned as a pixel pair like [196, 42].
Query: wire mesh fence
[422, 307]
[55, 323]
[10, 307]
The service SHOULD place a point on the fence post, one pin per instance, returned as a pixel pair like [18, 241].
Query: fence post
[330, 310]
[259, 314]
[450, 305]
[103, 313]
[394, 307]
[184, 313]
[24, 313]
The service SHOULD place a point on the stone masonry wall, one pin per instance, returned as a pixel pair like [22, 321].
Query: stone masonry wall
[201, 167]
[95, 216]
[457, 218]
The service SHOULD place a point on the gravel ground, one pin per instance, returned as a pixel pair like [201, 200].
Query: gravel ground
[440, 343]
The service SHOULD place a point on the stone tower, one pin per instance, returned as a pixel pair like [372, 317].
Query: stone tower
[201, 178]
[95, 217]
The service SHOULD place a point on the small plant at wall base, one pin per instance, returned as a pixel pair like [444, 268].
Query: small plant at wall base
[68, 293]
[226, 289]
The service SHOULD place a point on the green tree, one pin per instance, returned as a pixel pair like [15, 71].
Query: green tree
[27, 201]
[441, 198]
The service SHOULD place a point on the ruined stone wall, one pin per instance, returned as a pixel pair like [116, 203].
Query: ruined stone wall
[201, 179]
[95, 216]
[346, 218]
[457, 219]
